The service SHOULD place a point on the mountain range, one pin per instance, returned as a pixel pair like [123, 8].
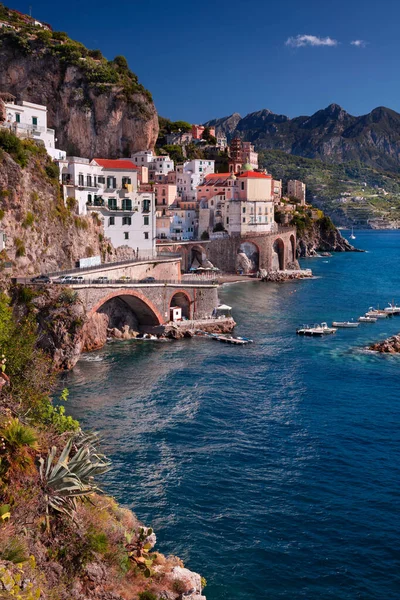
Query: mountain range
[330, 135]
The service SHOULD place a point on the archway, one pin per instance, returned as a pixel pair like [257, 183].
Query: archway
[198, 256]
[278, 255]
[128, 308]
[183, 301]
[292, 248]
[248, 258]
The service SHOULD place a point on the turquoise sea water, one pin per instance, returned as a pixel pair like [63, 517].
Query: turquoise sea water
[272, 469]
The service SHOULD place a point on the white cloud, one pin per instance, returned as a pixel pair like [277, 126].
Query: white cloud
[310, 40]
[359, 43]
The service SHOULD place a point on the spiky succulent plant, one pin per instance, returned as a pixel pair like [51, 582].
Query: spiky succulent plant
[71, 477]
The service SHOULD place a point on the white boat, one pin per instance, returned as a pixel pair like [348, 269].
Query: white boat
[367, 319]
[392, 309]
[344, 324]
[317, 330]
[378, 314]
[352, 237]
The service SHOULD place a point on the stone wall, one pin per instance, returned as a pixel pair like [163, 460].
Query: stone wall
[165, 270]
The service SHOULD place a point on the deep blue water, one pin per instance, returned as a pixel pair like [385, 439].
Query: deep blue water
[272, 469]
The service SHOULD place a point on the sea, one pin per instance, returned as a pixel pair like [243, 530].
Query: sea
[271, 469]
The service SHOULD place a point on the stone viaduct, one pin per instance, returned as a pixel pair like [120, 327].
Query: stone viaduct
[269, 251]
[151, 303]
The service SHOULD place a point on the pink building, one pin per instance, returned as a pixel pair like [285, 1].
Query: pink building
[197, 131]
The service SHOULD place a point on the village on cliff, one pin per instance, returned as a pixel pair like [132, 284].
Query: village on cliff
[146, 202]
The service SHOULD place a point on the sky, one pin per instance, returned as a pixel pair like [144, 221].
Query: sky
[212, 58]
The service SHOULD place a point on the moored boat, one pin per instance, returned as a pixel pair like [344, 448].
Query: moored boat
[367, 319]
[392, 309]
[316, 330]
[376, 313]
[344, 324]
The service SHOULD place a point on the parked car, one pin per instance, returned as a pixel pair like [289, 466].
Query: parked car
[124, 279]
[101, 280]
[147, 280]
[78, 279]
[41, 279]
[64, 279]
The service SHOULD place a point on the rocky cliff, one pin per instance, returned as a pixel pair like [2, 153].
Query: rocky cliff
[43, 235]
[320, 236]
[97, 107]
[331, 134]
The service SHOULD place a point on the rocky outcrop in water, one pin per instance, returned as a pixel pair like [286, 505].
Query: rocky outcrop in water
[321, 236]
[389, 346]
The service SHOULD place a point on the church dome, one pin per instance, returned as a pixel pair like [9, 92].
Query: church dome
[247, 167]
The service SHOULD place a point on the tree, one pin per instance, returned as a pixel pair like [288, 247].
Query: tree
[207, 137]
[182, 126]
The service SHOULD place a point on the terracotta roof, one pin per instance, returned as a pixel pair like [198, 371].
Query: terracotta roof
[254, 175]
[218, 175]
[107, 163]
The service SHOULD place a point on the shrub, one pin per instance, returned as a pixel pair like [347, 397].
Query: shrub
[59, 35]
[44, 36]
[96, 54]
[147, 596]
[55, 416]
[2, 213]
[121, 62]
[68, 296]
[81, 223]
[29, 220]
[52, 170]
[14, 147]
[14, 551]
[179, 586]
[205, 235]
[71, 203]
[98, 542]
[19, 247]
[18, 442]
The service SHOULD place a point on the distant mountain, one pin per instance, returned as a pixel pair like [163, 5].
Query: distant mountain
[331, 135]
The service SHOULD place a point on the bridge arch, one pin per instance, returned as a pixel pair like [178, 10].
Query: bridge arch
[145, 311]
[251, 251]
[278, 255]
[292, 249]
[182, 299]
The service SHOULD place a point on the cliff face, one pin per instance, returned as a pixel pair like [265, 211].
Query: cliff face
[94, 109]
[331, 134]
[43, 235]
[321, 236]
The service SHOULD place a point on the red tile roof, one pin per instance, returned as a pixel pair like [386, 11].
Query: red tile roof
[254, 175]
[126, 165]
[218, 175]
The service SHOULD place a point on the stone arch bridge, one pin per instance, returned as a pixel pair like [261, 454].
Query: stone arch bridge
[270, 251]
[149, 304]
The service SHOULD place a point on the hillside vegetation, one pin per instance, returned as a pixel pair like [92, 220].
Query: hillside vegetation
[351, 193]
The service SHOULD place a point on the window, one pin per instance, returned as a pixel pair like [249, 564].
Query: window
[126, 235]
[126, 204]
[242, 184]
[80, 179]
[244, 220]
[89, 198]
[126, 180]
[145, 220]
[227, 220]
[126, 221]
[111, 182]
[34, 120]
[89, 181]
[111, 221]
[146, 235]
[112, 203]
[243, 209]
[101, 179]
[18, 118]
[146, 205]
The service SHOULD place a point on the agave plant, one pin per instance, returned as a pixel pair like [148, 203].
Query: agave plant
[71, 477]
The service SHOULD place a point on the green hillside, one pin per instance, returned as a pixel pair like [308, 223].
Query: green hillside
[351, 193]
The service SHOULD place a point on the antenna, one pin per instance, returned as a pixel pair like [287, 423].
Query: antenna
[30, 10]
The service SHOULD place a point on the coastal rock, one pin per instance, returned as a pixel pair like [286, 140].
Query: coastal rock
[243, 263]
[321, 236]
[189, 581]
[281, 276]
[3, 112]
[389, 346]
[94, 332]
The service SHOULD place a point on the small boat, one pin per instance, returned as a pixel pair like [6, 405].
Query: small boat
[375, 312]
[367, 319]
[325, 254]
[392, 309]
[317, 330]
[352, 237]
[229, 339]
[344, 324]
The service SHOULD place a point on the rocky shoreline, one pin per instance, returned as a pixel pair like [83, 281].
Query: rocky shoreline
[389, 346]
[282, 276]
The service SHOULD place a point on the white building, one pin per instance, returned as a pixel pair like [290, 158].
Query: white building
[190, 175]
[110, 188]
[244, 205]
[29, 120]
[183, 222]
[156, 164]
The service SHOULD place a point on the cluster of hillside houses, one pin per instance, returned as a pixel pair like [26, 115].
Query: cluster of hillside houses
[146, 199]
